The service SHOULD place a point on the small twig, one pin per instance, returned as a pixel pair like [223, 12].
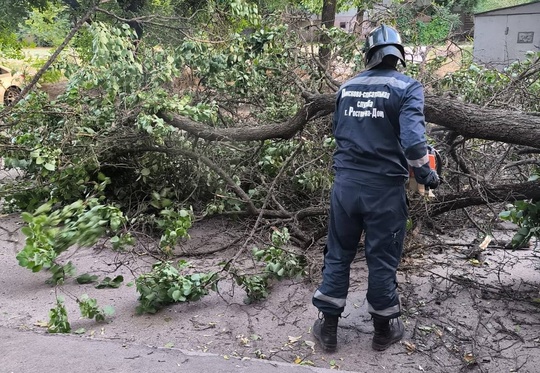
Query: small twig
[267, 199]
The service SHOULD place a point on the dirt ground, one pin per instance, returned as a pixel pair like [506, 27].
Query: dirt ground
[458, 316]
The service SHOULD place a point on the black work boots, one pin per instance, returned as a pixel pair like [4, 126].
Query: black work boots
[387, 332]
[325, 330]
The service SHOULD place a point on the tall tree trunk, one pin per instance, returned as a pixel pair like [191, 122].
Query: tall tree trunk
[474, 121]
[359, 24]
[328, 17]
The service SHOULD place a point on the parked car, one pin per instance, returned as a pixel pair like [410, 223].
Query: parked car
[10, 85]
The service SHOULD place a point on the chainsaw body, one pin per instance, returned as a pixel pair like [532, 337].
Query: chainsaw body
[435, 163]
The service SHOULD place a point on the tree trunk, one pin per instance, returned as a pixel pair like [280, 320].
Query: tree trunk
[359, 24]
[328, 17]
[484, 123]
[468, 120]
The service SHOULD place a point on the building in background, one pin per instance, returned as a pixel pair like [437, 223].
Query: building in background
[505, 35]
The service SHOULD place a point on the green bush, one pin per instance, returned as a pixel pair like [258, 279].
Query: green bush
[46, 28]
[418, 31]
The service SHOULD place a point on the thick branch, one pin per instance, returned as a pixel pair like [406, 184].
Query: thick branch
[476, 197]
[315, 106]
[466, 119]
[484, 123]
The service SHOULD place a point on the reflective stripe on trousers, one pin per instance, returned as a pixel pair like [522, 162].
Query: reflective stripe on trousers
[380, 211]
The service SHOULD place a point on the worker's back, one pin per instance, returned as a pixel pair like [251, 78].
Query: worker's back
[379, 113]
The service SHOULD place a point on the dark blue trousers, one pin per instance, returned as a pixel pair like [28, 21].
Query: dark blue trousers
[380, 210]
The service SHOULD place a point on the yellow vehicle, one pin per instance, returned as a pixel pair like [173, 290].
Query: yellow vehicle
[10, 85]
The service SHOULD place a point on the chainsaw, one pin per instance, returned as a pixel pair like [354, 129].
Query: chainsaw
[435, 163]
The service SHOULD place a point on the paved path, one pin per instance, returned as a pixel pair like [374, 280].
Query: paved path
[29, 352]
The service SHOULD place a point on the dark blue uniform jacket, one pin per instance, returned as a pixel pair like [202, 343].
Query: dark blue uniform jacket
[379, 126]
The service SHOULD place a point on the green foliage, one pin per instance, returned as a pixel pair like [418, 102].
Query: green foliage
[281, 264]
[51, 75]
[479, 85]
[13, 12]
[417, 31]
[226, 200]
[250, 67]
[50, 232]
[316, 6]
[243, 10]
[462, 5]
[59, 272]
[174, 225]
[313, 181]
[487, 5]
[108, 282]
[89, 309]
[9, 45]
[166, 285]
[255, 286]
[242, 70]
[274, 154]
[58, 319]
[86, 278]
[476, 84]
[526, 214]
[47, 27]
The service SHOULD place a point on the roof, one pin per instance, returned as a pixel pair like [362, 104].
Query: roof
[503, 10]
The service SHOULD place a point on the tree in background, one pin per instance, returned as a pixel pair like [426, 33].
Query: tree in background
[47, 27]
[486, 5]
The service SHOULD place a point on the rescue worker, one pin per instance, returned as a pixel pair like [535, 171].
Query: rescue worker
[379, 130]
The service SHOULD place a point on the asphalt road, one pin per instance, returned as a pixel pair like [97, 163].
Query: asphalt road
[29, 351]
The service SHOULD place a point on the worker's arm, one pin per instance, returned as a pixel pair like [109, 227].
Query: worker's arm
[413, 136]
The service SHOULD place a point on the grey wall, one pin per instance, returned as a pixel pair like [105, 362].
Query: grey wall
[501, 37]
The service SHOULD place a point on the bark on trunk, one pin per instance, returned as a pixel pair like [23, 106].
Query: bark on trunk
[482, 196]
[484, 123]
[468, 120]
[316, 106]
[328, 17]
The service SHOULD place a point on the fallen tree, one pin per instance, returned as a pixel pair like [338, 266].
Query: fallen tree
[467, 120]
[232, 140]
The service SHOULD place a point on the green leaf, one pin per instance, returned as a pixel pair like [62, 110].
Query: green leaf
[523, 231]
[86, 278]
[27, 217]
[49, 166]
[108, 310]
[504, 214]
[45, 208]
[27, 231]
